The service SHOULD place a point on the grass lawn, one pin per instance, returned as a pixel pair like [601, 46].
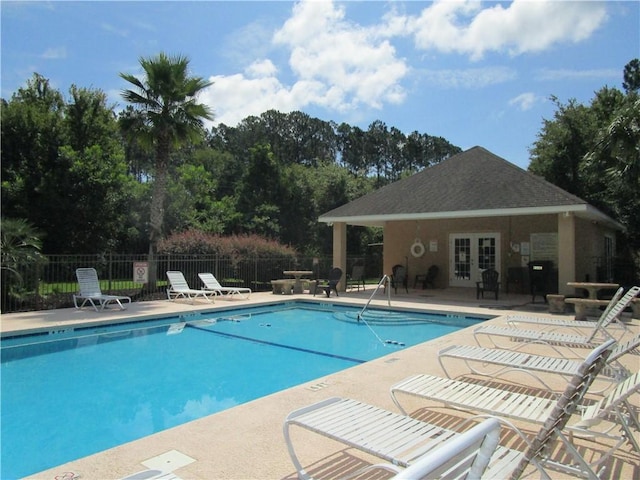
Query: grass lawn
[68, 287]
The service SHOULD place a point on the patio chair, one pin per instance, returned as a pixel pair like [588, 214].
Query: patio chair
[427, 279]
[399, 277]
[432, 273]
[211, 283]
[330, 284]
[585, 339]
[90, 291]
[610, 314]
[532, 365]
[403, 440]
[464, 456]
[489, 283]
[356, 278]
[151, 474]
[513, 405]
[178, 287]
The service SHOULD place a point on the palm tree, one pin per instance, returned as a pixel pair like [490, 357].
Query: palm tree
[167, 115]
[20, 246]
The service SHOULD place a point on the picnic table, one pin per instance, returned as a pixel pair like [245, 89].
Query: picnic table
[593, 287]
[585, 306]
[298, 274]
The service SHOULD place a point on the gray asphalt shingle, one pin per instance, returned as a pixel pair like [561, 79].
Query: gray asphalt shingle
[475, 179]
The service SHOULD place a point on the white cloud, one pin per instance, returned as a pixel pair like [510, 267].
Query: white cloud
[107, 27]
[524, 101]
[524, 26]
[327, 48]
[470, 77]
[566, 74]
[263, 68]
[336, 64]
[235, 97]
[346, 67]
[56, 53]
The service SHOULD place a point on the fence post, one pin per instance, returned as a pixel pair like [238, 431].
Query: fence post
[110, 270]
[38, 296]
[255, 272]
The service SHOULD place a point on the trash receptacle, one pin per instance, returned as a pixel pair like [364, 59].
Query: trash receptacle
[540, 278]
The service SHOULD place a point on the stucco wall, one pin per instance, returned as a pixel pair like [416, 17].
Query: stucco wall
[399, 236]
[590, 245]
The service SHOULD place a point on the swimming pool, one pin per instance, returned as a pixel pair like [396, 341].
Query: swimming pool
[73, 392]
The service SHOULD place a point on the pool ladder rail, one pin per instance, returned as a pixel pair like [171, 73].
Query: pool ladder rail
[385, 278]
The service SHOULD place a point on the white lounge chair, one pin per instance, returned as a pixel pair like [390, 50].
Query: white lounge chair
[152, 474]
[178, 287]
[211, 283]
[464, 456]
[403, 440]
[514, 405]
[608, 317]
[478, 359]
[530, 408]
[90, 291]
[584, 339]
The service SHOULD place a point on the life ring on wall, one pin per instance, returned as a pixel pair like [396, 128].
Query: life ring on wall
[417, 249]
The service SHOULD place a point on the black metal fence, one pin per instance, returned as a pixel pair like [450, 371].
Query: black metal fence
[51, 284]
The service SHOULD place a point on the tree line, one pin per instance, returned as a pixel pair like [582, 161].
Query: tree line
[593, 151]
[85, 176]
[92, 179]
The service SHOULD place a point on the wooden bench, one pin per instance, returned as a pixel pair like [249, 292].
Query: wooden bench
[283, 287]
[584, 306]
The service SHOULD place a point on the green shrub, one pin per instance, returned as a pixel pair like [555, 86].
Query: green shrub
[194, 242]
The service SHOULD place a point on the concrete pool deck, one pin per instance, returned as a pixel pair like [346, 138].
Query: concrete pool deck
[246, 442]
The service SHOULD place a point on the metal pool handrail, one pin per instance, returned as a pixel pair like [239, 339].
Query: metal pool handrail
[385, 278]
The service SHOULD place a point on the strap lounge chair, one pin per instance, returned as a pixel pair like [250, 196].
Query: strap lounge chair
[530, 408]
[90, 291]
[178, 287]
[583, 339]
[151, 474]
[514, 405]
[211, 283]
[479, 360]
[403, 440]
[608, 318]
[464, 456]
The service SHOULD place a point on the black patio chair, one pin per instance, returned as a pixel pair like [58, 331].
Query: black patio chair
[399, 277]
[432, 273]
[356, 278]
[330, 284]
[489, 283]
[427, 279]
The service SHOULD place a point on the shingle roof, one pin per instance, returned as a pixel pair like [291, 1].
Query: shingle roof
[475, 180]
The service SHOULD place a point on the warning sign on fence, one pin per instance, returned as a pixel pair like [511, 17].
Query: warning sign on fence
[140, 272]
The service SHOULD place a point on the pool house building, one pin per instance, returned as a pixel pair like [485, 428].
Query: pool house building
[476, 211]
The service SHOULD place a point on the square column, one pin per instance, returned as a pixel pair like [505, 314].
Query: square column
[566, 252]
[340, 251]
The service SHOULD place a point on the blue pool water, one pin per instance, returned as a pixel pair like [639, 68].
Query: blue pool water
[67, 394]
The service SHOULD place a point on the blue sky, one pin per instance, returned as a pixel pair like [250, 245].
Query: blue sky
[475, 73]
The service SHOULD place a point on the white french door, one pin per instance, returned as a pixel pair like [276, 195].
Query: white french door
[470, 254]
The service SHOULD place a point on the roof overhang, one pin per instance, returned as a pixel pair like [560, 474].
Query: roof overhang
[580, 210]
